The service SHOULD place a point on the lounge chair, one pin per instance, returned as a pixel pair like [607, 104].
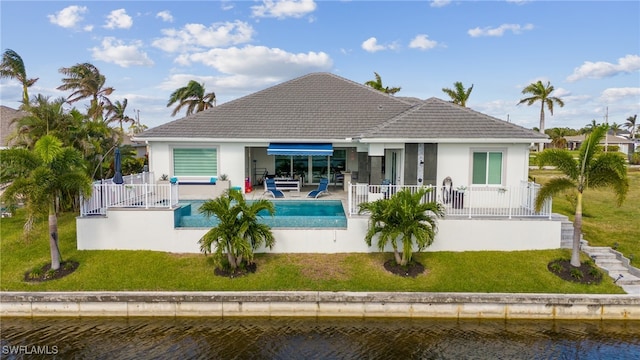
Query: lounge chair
[270, 184]
[321, 190]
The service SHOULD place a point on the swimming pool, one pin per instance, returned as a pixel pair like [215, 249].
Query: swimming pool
[289, 214]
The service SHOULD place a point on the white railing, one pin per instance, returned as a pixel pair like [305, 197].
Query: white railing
[473, 201]
[141, 178]
[131, 194]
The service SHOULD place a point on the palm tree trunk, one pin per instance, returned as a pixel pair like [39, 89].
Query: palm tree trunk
[397, 256]
[541, 129]
[53, 238]
[232, 260]
[577, 232]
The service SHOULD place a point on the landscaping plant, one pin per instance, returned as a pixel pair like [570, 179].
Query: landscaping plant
[403, 220]
[238, 233]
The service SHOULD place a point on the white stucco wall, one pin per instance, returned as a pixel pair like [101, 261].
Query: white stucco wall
[231, 159]
[154, 230]
[455, 160]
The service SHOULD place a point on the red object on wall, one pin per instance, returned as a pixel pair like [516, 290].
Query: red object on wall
[247, 186]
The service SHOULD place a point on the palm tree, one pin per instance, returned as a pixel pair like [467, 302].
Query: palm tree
[86, 81]
[590, 127]
[192, 96]
[459, 95]
[377, 84]
[403, 217]
[542, 93]
[116, 113]
[615, 128]
[238, 233]
[12, 67]
[41, 177]
[44, 116]
[631, 125]
[593, 169]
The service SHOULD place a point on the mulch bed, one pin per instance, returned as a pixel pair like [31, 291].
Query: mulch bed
[45, 273]
[241, 271]
[412, 269]
[587, 273]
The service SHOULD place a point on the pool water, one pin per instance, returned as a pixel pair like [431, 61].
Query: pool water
[289, 214]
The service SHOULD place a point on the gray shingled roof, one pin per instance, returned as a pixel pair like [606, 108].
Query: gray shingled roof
[323, 106]
[438, 119]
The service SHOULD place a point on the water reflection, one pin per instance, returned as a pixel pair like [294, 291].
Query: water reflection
[307, 338]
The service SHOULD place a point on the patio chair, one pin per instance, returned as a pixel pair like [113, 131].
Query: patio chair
[321, 190]
[270, 184]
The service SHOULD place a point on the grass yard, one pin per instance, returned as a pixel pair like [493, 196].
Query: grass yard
[604, 223]
[511, 272]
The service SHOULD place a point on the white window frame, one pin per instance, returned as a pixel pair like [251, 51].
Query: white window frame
[503, 165]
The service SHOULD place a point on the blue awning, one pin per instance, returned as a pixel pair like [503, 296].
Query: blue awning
[300, 149]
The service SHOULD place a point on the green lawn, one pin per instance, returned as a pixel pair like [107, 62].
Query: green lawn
[604, 223]
[522, 271]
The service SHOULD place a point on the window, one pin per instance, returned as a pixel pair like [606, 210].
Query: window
[195, 162]
[487, 168]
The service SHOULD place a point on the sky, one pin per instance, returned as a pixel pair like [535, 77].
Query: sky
[588, 50]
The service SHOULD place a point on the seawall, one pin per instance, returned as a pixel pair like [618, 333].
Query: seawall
[321, 304]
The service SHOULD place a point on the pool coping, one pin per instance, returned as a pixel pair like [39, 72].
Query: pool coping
[320, 304]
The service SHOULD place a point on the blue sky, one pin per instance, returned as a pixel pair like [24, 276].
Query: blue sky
[589, 50]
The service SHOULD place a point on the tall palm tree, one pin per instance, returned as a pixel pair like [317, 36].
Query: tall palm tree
[377, 84]
[41, 177]
[459, 95]
[593, 169]
[238, 233]
[12, 67]
[541, 93]
[116, 113]
[192, 96]
[631, 125]
[403, 217]
[86, 81]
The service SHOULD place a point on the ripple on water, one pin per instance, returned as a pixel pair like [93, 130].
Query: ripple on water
[309, 338]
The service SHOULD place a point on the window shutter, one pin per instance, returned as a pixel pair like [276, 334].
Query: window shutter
[195, 162]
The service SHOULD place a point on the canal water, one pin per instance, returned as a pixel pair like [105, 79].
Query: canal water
[311, 338]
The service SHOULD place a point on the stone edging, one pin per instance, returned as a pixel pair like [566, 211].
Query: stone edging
[321, 304]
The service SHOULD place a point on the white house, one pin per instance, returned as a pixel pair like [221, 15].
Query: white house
[333, 124]
[323, 126]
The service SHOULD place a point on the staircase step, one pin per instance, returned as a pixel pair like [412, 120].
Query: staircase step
[614, 268]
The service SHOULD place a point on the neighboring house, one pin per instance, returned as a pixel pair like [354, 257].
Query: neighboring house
[624, 145]
[319, 124]
[7, 125]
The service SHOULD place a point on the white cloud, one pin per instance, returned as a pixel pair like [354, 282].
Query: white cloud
[198, 35]
[612, 94]
[261, 61]
[165, 16]
[117, 52]
[68, 17]
[500, 30]
[422, 42]
[283, 8]
[602, 69]
[371, 45]
[560, 93]
[440, 3]
[118, 19]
